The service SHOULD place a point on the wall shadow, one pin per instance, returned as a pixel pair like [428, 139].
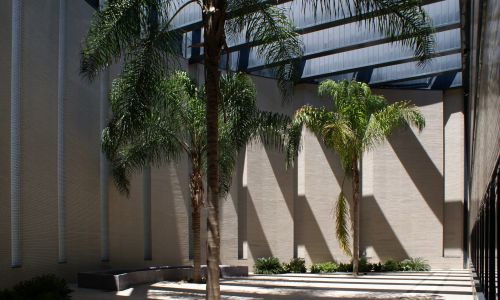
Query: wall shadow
[281, 173]
[167, 188]
[453, 227]
[422, 171]
[381, 237]
[257, 241]
[240, 203]
[450, 110]
[310, 234]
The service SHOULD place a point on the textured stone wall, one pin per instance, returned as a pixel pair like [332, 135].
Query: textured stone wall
[484, 101]
[402, 208]
[5, 58]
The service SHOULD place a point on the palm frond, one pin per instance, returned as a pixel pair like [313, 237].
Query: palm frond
[241, 122]
[136, 89]
[294, 142]
[238, 108]
[339, 136]
[403, 21]
[386, 121]
[342, 223]
[151, 136]
[407, 24]
[155, 146]
[120, 27]
[227, 164]
[269, 27]
[271, 129]
[310, 117]
[112, 29]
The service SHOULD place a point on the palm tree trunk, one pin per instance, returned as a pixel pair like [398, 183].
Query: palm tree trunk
[196, 186]
[214, 14]
[196, 245]
[355, 217]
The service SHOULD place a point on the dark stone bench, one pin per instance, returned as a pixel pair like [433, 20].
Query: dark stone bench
[118, 280]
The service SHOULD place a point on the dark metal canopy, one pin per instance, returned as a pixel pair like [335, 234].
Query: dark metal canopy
[339, 47]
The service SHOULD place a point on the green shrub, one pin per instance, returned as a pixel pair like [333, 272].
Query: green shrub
[268, 265]
[414, 264]
[45, 287]
[296, 265]
[345, 267]
[364, 266]
[376, 267]
[390, 265]
[326, 267]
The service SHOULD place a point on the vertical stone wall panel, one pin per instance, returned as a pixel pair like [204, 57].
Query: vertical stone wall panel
[38, 117]
[5, 69]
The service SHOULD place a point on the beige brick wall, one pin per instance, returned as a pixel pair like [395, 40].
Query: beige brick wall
[402, 206]
[39, 145]
[454, 173]
[82, 149]
[38, 141]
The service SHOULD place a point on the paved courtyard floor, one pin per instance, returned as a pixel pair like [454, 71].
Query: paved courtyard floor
[438, 284]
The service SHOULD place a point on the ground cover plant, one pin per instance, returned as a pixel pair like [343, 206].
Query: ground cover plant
[268, 265]
[296, 265]
[272, 265]
[414, 264]
[326, 267]
[45, 287]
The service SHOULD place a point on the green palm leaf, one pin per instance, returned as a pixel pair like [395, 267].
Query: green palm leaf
[269, 27]
[342, 224]
[403, 21]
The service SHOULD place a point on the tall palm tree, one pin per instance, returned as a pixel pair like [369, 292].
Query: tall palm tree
[175, 126]
[357, 122]
[138, 31]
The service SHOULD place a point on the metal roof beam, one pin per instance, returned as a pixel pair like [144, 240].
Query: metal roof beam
[378, 65]
[305, 29]
[341, 49]
[405, 71]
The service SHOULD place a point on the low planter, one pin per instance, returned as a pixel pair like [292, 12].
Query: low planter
[118, 280]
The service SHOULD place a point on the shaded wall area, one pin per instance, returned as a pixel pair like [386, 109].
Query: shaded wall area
[39, 124]
[483, 107]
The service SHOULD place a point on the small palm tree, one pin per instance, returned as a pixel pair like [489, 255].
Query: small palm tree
[175, 125]
[138, 33]
[357, 122]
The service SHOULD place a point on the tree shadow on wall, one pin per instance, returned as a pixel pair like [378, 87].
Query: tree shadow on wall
[311, 235]
[377, 232]
[421, 169]
[257, 241]
[307, 230]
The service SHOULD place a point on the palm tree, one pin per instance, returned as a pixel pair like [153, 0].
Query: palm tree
[357, 122]
[138, 32]
[175, 126]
